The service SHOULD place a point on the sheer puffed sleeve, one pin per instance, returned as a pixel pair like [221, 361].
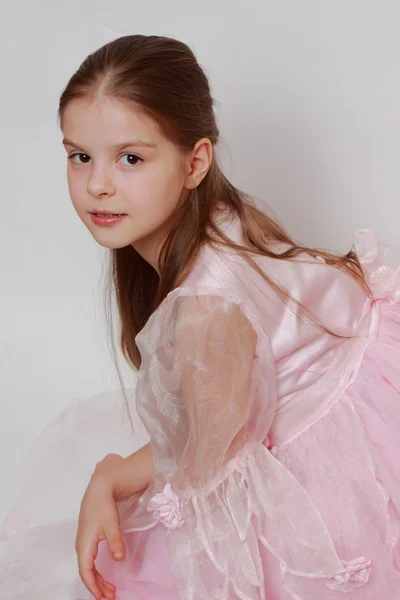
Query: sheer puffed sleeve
[212, 355]
[206, 394]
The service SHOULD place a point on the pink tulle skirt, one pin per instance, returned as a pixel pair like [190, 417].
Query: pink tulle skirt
[348, 462]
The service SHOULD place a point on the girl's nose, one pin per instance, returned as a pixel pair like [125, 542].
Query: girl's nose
[100, 185]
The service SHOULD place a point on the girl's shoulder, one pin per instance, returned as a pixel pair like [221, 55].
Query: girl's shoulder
[222, 277]
[307, 280]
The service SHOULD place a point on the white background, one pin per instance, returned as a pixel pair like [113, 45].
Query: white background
[309, 110]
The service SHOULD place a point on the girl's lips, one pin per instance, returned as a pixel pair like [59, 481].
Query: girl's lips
[106, 220]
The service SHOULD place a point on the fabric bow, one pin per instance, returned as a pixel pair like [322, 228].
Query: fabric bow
[383, 281]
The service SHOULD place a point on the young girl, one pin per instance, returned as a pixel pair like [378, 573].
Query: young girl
[268, 373]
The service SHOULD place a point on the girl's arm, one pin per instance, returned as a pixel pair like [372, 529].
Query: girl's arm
[130, 475]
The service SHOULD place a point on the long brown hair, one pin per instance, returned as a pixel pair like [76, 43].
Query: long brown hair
[161, 77]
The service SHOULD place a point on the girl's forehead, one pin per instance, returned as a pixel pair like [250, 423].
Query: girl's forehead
[109, 121]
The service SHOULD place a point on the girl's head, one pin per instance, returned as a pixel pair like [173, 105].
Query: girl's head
[140, 132]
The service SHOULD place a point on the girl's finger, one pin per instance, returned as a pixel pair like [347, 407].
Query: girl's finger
[87, 571]
[111, 586]
[106, 592]
[114, 539]
[107, 588]
[102, 581]
[113, 535]
[90, 582]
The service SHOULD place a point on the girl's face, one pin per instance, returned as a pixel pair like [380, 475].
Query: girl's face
[119, 163]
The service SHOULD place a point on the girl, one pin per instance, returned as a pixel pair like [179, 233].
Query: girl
[268, 373]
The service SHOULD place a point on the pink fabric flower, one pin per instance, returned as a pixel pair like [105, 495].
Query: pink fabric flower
[383, 281]
[357, 572]
[167, 508]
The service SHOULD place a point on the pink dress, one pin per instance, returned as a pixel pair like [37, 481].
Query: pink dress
[276, 446]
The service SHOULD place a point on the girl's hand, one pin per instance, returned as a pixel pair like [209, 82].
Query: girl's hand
[99, 520]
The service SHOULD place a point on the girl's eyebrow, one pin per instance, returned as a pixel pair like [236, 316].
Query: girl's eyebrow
[118, 146]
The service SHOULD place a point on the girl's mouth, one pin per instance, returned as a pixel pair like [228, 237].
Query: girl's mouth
[107, 219]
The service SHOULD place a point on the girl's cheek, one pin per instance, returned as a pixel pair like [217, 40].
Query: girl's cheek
[76, 200]
[76, 193]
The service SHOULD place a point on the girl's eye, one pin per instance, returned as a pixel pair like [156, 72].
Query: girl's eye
[133, 160]
[80, 154]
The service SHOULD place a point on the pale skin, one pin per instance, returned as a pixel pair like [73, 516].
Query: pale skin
[119, 161]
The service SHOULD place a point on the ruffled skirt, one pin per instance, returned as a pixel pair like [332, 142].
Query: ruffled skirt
[346, 466]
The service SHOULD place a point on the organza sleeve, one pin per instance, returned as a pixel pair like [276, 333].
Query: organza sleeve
[213, 352]
[208, 398]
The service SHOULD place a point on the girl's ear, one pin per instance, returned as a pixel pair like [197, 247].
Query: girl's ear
[199, 163]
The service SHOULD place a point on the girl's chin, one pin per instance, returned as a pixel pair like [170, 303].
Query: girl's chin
[113, 245]
[112, 242]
